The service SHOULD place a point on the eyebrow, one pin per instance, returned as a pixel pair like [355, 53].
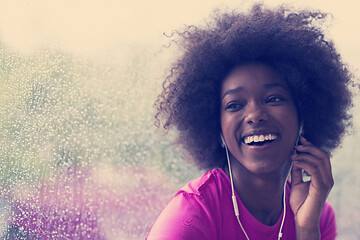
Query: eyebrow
[274, 85]
[266, 86]
[234, 90]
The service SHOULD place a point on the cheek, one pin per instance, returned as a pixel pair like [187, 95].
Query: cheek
[290, 120]
[293, 117]
[228, 121]
[226, 126]
[223, 120]
[286, 117]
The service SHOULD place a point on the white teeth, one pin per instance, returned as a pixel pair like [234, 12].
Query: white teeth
[259, 138]
[249, 139]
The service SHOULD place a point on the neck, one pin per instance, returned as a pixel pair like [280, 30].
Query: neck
[262, 194]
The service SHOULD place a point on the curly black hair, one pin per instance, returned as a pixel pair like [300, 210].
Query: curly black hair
[291, 42]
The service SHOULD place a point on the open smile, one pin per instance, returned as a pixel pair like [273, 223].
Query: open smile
[259, 140]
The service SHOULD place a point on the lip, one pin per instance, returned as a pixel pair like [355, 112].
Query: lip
[260, 148]
[260, 132]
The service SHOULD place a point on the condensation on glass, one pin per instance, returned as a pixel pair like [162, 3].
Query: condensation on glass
[79, 154]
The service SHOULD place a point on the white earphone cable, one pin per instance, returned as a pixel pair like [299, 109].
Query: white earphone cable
[236, 208]
[284, 213]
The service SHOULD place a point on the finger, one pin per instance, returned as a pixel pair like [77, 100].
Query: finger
[296, 175]
[304, 141]
[316, 179]
[319, 175]
[317, 189]
[307, 146]
[312, 149]
[316, 163]
[316, 152]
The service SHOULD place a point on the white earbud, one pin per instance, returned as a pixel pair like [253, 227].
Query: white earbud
[223, 143]
[300, 133]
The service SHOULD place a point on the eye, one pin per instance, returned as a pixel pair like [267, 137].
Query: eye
[234, 106]
[275, 99]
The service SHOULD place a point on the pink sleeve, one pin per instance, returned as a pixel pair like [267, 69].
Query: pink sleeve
[328, 223]
[185, 217]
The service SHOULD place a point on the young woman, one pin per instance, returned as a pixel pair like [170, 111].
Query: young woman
[255, 96]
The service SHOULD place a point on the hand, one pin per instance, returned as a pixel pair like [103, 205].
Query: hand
[307, 199]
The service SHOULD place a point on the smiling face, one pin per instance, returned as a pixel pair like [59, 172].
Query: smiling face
[258, 118]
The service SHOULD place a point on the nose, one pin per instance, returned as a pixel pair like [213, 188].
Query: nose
[255, 114]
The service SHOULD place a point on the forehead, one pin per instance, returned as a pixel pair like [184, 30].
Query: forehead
[253, 75]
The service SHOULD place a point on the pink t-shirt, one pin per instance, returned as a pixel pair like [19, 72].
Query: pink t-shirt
[203, 209]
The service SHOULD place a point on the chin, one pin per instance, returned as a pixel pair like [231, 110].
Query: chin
[265, 167]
